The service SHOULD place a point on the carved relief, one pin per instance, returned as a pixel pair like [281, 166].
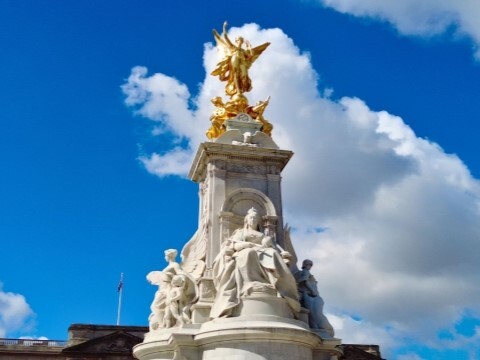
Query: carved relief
[207, 290]
[204, 187]
[242, 168]
[274, 169]
[203, 201]
[219, 164]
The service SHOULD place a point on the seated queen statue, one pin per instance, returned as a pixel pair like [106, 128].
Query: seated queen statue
[250, 261]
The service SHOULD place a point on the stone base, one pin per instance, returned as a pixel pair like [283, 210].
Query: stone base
[263, 337]
[262, 303]
[201, 312]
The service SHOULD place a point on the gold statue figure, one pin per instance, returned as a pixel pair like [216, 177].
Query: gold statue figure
[233, 69]
[256, 112]
[221, 113]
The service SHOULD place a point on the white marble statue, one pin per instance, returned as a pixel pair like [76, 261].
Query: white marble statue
[176, 292]
[250, 261]
[176, 310]
[310, 298]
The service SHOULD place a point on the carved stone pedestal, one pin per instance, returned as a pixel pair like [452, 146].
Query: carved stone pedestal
[261, 337]
[264, 303]
[239, 260]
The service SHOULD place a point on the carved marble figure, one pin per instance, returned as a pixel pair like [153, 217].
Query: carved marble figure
[310, 298]
[176, 303]
[176, 288]
[250, 261]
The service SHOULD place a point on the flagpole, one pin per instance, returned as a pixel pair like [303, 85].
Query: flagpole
[120, 290]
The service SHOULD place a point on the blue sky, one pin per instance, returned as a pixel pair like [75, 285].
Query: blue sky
[378, 101]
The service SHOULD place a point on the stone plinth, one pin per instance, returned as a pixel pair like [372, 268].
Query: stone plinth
[260, 337]
[242, 252]
[232, 179]
[261, 303]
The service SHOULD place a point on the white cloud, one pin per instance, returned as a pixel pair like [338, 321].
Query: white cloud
[421, 18]
[33, 338]
[401, 218]
[175, 162]
[15, 313]
[353, 331]
[166, 101]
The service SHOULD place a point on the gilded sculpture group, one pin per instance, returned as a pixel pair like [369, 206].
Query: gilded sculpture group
[233, 69]
[248, 261]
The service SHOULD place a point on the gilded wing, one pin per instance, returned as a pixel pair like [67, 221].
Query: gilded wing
[218, 39]
[260, 107]
[257, 51]
[223, 42]
[222, 68]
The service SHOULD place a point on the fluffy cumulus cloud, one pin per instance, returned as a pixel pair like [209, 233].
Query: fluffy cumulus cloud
[423, 18]
[15, 313]
[390, 220]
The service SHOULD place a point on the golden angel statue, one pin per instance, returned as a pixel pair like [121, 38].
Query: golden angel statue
[233, 68]
[256, 112]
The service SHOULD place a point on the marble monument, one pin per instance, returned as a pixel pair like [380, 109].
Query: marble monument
[237, 292]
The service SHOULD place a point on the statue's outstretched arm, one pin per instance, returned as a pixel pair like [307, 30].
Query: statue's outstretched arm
[225, 36]
[225, 27]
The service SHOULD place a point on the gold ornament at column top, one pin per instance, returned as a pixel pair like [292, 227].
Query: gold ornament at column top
[233, 69]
